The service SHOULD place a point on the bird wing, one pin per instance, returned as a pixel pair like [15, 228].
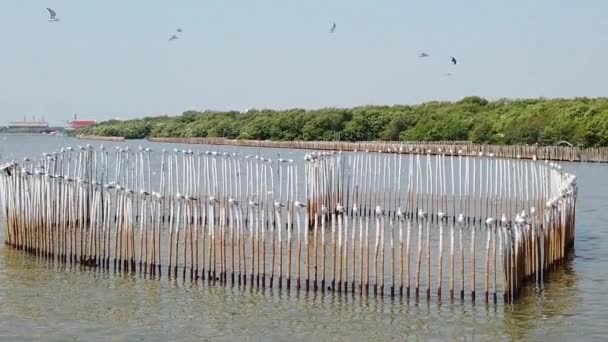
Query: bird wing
[179, 30]
[51, 12]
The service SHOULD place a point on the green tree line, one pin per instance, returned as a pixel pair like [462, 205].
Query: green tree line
[580, 121]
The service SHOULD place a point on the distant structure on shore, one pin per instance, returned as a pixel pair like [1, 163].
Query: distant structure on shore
[34, 124]
[40, 125]
[76, 124]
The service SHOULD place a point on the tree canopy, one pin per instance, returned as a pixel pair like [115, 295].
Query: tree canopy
[580, 121]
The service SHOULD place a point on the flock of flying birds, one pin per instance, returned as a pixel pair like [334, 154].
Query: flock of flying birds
[175, 36]
[422, 55]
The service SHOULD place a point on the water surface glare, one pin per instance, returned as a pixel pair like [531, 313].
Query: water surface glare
[39, 300]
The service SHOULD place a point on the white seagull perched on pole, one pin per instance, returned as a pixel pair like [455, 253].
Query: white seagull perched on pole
[52, 15]
[333, 28]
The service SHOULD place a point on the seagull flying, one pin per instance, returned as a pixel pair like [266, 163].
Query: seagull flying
[424, 54]
[173, 37]
[179, 30]
[333, 28]
[52, 15]
[453, 60]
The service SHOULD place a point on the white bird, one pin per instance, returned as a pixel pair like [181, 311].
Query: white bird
[299, 204]
[523, 214]
[421, 214]
[333, 28]
[52, 15]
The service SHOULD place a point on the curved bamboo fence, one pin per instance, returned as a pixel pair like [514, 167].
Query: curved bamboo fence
[366, 223]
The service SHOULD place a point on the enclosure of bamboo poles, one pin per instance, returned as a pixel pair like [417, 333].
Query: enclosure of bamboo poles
[551, 153]
[442, 223]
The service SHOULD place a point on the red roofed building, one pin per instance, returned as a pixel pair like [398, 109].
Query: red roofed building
[76, 124]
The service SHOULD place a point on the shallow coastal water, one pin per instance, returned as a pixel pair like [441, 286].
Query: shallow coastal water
[39, 300]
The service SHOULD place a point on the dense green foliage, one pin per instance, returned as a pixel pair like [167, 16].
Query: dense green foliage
[580, 121]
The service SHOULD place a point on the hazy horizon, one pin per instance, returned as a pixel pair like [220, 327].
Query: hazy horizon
[113, 59]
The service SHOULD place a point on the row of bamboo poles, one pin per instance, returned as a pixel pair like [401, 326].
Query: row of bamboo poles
[365, 223]
[553, 153]
[99, 137]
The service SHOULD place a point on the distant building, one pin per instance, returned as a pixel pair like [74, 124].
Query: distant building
[34, 124]
[76, 124]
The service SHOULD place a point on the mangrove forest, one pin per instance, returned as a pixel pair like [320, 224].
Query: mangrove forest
[578, 121]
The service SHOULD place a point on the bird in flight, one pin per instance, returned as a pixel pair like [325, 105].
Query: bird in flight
[449, 73]
[173, 37]
[453, 60]
[424, 54]
[52, 15]
[179, 30]
[333, 28]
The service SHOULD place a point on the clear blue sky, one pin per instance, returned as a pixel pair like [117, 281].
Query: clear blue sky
[112, 59]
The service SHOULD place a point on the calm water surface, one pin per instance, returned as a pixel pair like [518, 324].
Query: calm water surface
[46, 301]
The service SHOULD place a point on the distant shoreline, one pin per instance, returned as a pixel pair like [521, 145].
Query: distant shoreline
[29, 130]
